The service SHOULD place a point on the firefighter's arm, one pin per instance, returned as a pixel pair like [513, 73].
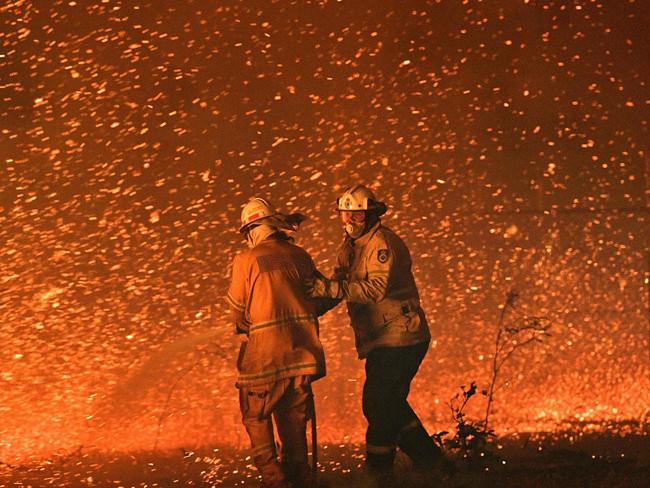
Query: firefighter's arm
[325, 292]
[329, 290]
[314, 289]
[236, 297]
[325, 304]
[373, 287]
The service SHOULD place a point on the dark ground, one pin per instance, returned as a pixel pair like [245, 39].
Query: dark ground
[588, 460]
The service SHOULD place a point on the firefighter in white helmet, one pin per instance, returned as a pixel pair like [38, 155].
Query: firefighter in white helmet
[374, 277]
[281, 353]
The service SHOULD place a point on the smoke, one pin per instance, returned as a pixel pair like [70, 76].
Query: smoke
[148, 392]
[173, 358]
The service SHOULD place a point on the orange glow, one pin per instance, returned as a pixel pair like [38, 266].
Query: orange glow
[508, 142]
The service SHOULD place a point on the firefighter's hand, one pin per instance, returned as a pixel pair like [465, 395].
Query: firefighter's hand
[321, 287]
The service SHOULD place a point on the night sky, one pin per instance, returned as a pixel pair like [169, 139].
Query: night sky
[509, 140]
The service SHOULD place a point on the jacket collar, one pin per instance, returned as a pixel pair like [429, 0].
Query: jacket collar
[364, 239]
[259, 234]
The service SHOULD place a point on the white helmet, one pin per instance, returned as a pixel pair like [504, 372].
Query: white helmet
[359, 197]
[256, 209]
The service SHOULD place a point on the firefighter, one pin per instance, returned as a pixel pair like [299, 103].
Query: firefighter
[281, 353]
[373, 275]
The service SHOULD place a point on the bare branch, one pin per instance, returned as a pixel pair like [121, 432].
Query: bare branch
[528, 331]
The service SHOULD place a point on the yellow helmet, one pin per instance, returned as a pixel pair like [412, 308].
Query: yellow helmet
[359, 197]
[256, 209]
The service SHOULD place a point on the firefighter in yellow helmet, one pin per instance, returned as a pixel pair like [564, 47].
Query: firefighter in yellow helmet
[373, 275]
[281, 353]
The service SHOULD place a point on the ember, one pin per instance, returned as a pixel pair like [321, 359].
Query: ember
[507, 137]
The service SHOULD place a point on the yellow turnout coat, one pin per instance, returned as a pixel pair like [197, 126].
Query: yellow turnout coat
[269, 305]
[378, 285]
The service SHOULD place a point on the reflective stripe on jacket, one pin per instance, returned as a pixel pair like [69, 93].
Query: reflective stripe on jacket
[383, 301]
[269, 305]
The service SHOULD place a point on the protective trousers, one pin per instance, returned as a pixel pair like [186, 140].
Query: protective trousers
[391, 420]
[289, 403]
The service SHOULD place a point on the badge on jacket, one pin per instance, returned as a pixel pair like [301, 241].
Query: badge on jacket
[382, 255]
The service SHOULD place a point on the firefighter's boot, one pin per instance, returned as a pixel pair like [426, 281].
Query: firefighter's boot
[378, 470]
[427, 457]
[272, 475]
[298, 475]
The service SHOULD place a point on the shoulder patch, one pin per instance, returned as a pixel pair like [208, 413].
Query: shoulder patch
[382, 255]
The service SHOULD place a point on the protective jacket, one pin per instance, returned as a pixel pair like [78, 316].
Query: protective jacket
[378, 285]
[269, 305]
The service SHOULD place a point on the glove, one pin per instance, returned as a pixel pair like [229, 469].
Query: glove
[321, 287]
